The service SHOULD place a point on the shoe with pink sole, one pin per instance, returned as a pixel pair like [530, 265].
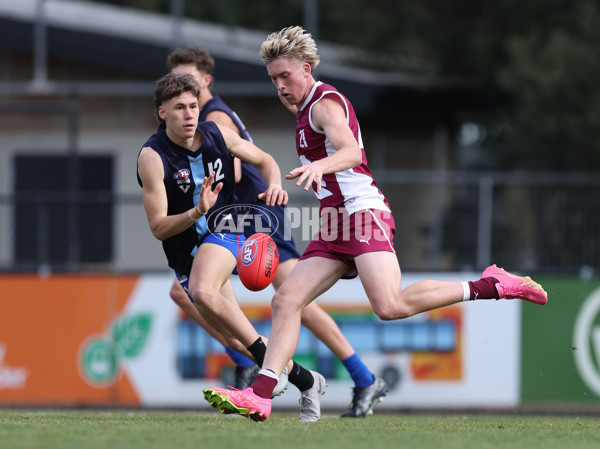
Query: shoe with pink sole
[511, 286]
[240, 402]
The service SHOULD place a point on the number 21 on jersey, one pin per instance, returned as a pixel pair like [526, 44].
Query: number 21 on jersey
[302, 139]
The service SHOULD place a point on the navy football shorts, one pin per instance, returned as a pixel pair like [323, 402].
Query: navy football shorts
[287, 248]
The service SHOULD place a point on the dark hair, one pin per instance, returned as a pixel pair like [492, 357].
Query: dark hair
[171, 86]
[203, 61]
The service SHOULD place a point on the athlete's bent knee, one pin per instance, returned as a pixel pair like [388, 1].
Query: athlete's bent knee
[178, 294]
[203, 296]
[388, 312]
[284, 304]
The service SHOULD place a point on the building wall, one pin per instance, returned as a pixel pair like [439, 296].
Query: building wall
[119, 125]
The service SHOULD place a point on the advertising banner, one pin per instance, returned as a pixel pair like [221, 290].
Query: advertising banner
[561, 343]
[121, 341]
[58, 338]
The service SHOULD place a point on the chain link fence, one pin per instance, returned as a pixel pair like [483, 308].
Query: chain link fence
[446, 221]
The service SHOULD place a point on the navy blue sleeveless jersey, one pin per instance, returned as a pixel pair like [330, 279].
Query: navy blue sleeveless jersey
[252, 183]
[184, 173]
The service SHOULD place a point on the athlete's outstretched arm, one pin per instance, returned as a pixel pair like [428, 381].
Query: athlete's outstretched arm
[163, 226]
[265, 163]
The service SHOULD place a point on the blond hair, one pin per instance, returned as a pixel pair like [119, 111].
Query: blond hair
[294, 42]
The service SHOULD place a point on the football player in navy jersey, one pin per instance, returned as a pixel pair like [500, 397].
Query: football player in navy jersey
[357, 231]
[198, 63]
[186, 172]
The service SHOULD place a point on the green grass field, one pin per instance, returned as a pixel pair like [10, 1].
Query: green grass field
[83, 429]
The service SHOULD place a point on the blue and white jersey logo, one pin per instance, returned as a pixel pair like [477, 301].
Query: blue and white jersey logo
[184, 173]
[183, 179]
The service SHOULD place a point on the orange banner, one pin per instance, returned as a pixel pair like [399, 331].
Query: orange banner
[44, 323]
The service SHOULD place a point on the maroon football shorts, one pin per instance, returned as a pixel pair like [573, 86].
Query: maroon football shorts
[344, 236]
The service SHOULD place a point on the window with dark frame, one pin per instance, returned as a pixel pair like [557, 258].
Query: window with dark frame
[63, 209]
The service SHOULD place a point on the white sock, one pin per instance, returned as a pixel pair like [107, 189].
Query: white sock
[268, 373]
[466, 291]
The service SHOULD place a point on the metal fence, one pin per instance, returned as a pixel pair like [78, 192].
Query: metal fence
[543, 221]
[446, 221]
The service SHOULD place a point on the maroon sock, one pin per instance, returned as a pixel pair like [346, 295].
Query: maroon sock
[483, 289]
[263, 386]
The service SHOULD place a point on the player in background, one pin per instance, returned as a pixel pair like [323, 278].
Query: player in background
[186, 171]
[368, 389]
[357, 225]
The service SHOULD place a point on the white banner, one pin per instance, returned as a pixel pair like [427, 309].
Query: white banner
[459, 356]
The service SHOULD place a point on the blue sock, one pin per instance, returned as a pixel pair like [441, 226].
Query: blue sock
[238, 359]
[359, 372]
